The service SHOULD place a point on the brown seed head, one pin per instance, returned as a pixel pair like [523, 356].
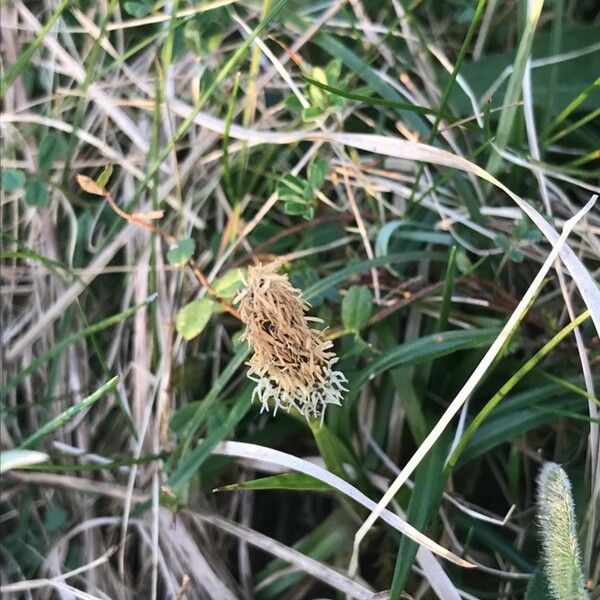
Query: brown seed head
[291, 362]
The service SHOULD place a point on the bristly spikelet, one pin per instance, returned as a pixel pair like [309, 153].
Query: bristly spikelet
[292, 363]
[560, 549]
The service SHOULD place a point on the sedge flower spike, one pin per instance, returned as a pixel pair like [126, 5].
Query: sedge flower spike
[292, 363]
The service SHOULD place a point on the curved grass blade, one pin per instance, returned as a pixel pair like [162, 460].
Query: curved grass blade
[68, 414]
[422, 350]
[284, 481]
[276, 457]
[510, 384]
[330, 281]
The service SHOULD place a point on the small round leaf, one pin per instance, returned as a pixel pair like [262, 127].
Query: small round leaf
[37, 193]
[357, 307]
[229, 284]
[193, 317]
[181, 251]
[12, 179]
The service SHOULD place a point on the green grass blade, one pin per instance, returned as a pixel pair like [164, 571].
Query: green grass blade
[219, 78]
[24, 57]
[447, 291]
[190, 464]
[358, 66]
[421, 350]
[510, 384]
[197, 420]
[71, 339]
[285, 481]
[68, 414]
[590, 117]
[572, 106]
[424, 503]
[374, 101]
[513, 90]
[499, 429]
[332, 280]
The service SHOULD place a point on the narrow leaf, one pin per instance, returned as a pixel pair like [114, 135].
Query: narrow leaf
[284, 481]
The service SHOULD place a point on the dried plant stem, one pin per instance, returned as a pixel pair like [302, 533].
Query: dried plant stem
[140, 220]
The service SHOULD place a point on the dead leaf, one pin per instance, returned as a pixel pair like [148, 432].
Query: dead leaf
[87, 184]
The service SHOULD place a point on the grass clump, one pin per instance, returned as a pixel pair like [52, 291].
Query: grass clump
[183, 184]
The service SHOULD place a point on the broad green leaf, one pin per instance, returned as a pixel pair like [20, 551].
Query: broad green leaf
[463, 264]
[193, 317]
[290, 186]
[516, 255]
[17, 459]
[316, 95]
[333, 71]
[309, 213]
[293, 104]
[228, 285]
[357, 308]
[37, 193]
[311, 113]
[181, 251]
[12, 179]
[284, 481]
[55, 518]
[501, 241]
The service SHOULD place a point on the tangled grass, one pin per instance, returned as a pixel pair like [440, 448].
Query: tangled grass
[422, 173]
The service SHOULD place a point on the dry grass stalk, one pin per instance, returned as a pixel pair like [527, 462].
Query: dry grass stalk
[292, 363]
